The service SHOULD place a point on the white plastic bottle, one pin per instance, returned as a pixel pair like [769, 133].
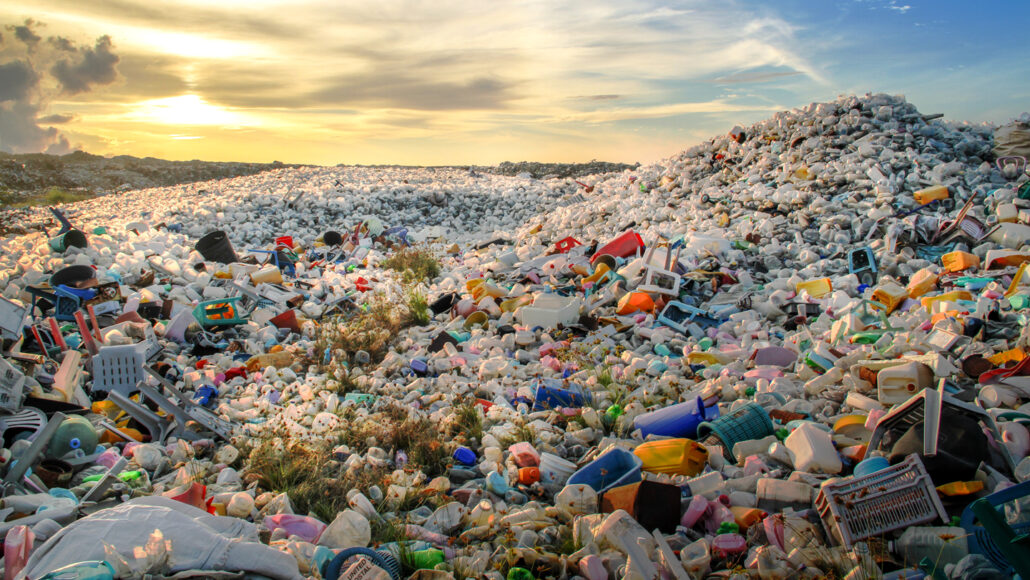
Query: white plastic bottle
[941, 544]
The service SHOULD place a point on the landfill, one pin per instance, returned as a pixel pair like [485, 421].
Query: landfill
[796, 350]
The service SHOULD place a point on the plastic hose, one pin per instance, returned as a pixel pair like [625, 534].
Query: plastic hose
[332, 571]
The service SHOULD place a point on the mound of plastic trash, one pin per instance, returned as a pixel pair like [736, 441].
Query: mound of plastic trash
[795, 350]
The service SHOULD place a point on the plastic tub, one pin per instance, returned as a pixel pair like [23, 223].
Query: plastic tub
[614, 468]
[216, 247]
[679, 420]
[626, 244]
[554, 470]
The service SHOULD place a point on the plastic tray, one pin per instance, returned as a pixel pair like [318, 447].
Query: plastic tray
[895, 498]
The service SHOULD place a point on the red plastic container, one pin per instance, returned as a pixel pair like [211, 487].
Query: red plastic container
[626, 244]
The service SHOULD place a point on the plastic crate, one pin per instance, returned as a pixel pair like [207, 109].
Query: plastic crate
[744, 423]
[856, 508]
[12, 319]
[118, 368]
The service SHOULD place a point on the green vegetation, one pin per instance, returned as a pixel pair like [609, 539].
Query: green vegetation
[53, 196]
[414, 264]
[418, 306]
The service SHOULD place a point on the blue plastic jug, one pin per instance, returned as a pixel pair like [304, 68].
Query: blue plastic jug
[679, 420]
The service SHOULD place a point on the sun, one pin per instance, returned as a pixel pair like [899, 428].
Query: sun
[189, 110]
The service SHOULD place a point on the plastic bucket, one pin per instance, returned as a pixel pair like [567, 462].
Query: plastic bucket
[72, 276]
[613, 469]
[69, 239]
[744, 423]
[216, 247]
[625, 245]
[332, 238]
[554, 470]
[679, 420]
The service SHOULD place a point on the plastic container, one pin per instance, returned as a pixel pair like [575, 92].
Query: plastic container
[554, 470]
[75, 432]
[70, 239]
[942, 545]
[549, 396]
[890, 295]
[626, 244]
[747, 422]
[812, 450]
[550, 310]
[932, 193]
[899, 383]
[707, 485]
[728, 545]
[616, 467]
[216, 247]
[921, 282]
[269, 274]
[816, 288]
[220, 312]
[695, 509]
[672, 456]
[524, 454]
[17, 548]
[891, 499]
[679, 420]
[304, 527]
[776, 494]
[871, 465]
[635, 302]
[1011, 235]
[959, 261]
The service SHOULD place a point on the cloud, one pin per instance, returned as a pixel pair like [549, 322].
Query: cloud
[24, 33]
[753, 77]
[95, 66]
[406, 91]
[608, 97]
[29, 73]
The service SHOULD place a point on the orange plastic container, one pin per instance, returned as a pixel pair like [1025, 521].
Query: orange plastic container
[922, 282]
[816, 288]
[635, 302]
[672, 456]
[746, 517]
[958, 261]
[933, 193]
[529, 475]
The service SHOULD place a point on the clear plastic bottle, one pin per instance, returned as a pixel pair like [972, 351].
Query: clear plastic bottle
[941, 544]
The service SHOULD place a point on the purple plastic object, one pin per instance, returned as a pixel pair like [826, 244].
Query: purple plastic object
[304, 527]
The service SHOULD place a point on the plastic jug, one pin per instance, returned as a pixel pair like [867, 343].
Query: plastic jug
[899, 383]
[958, 261]
[672, 456]
[932, 193]
[921, 282]
[775, 494]
[75, 432]
[816, 288]
[708, 484]
[695, 509]
[889, 294]
[941, 544]
[679, 420]
[812, 450]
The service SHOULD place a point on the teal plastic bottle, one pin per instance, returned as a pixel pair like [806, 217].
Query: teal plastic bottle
[76, 432]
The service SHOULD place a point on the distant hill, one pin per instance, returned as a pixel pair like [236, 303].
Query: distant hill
[80, 171]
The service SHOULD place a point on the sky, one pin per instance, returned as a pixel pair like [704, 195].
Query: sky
[454, 82]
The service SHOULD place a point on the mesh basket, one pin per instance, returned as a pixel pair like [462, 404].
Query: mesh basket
[744, 423]
[900, 496]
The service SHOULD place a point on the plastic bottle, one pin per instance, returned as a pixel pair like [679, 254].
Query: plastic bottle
[697, 508]
[17, 547]
[941, 544]
[75, 432]
[812, 450]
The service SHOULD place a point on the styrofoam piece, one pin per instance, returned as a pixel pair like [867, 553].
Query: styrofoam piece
[550, 310]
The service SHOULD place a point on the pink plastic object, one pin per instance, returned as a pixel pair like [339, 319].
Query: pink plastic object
[304, 527]
[524, 454]
[109, 457]
[717, 514]
[774, 531]
[17, 547]
[725, 545]
[626, 244]
[697, 508]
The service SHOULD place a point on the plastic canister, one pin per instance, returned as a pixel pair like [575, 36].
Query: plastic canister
[1007, 213]
[524, 454]
[932, 193]
[812, 450]
[75, 432]
[816, 288]
[889, 294]
[958, 261]
[1011, 235]
[672, 456]
[898, 383]
[921, 282]
[695, 509]
[775, 494]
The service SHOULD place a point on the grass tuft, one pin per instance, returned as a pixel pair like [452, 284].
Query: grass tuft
[414, 264]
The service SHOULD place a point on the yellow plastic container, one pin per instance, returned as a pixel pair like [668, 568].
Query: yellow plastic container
[745, 517]
[816, 288]
[1013, 355]
[673, 456]
[599, 271]
[925, 196]
[958, 261]
[889, 294]
[953, 296]
[922, 282]
[960, 488]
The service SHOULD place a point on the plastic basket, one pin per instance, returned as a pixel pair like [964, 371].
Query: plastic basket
[744, 423]
[118, 368]
[898, 497]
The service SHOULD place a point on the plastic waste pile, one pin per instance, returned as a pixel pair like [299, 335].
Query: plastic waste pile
[795, 350]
